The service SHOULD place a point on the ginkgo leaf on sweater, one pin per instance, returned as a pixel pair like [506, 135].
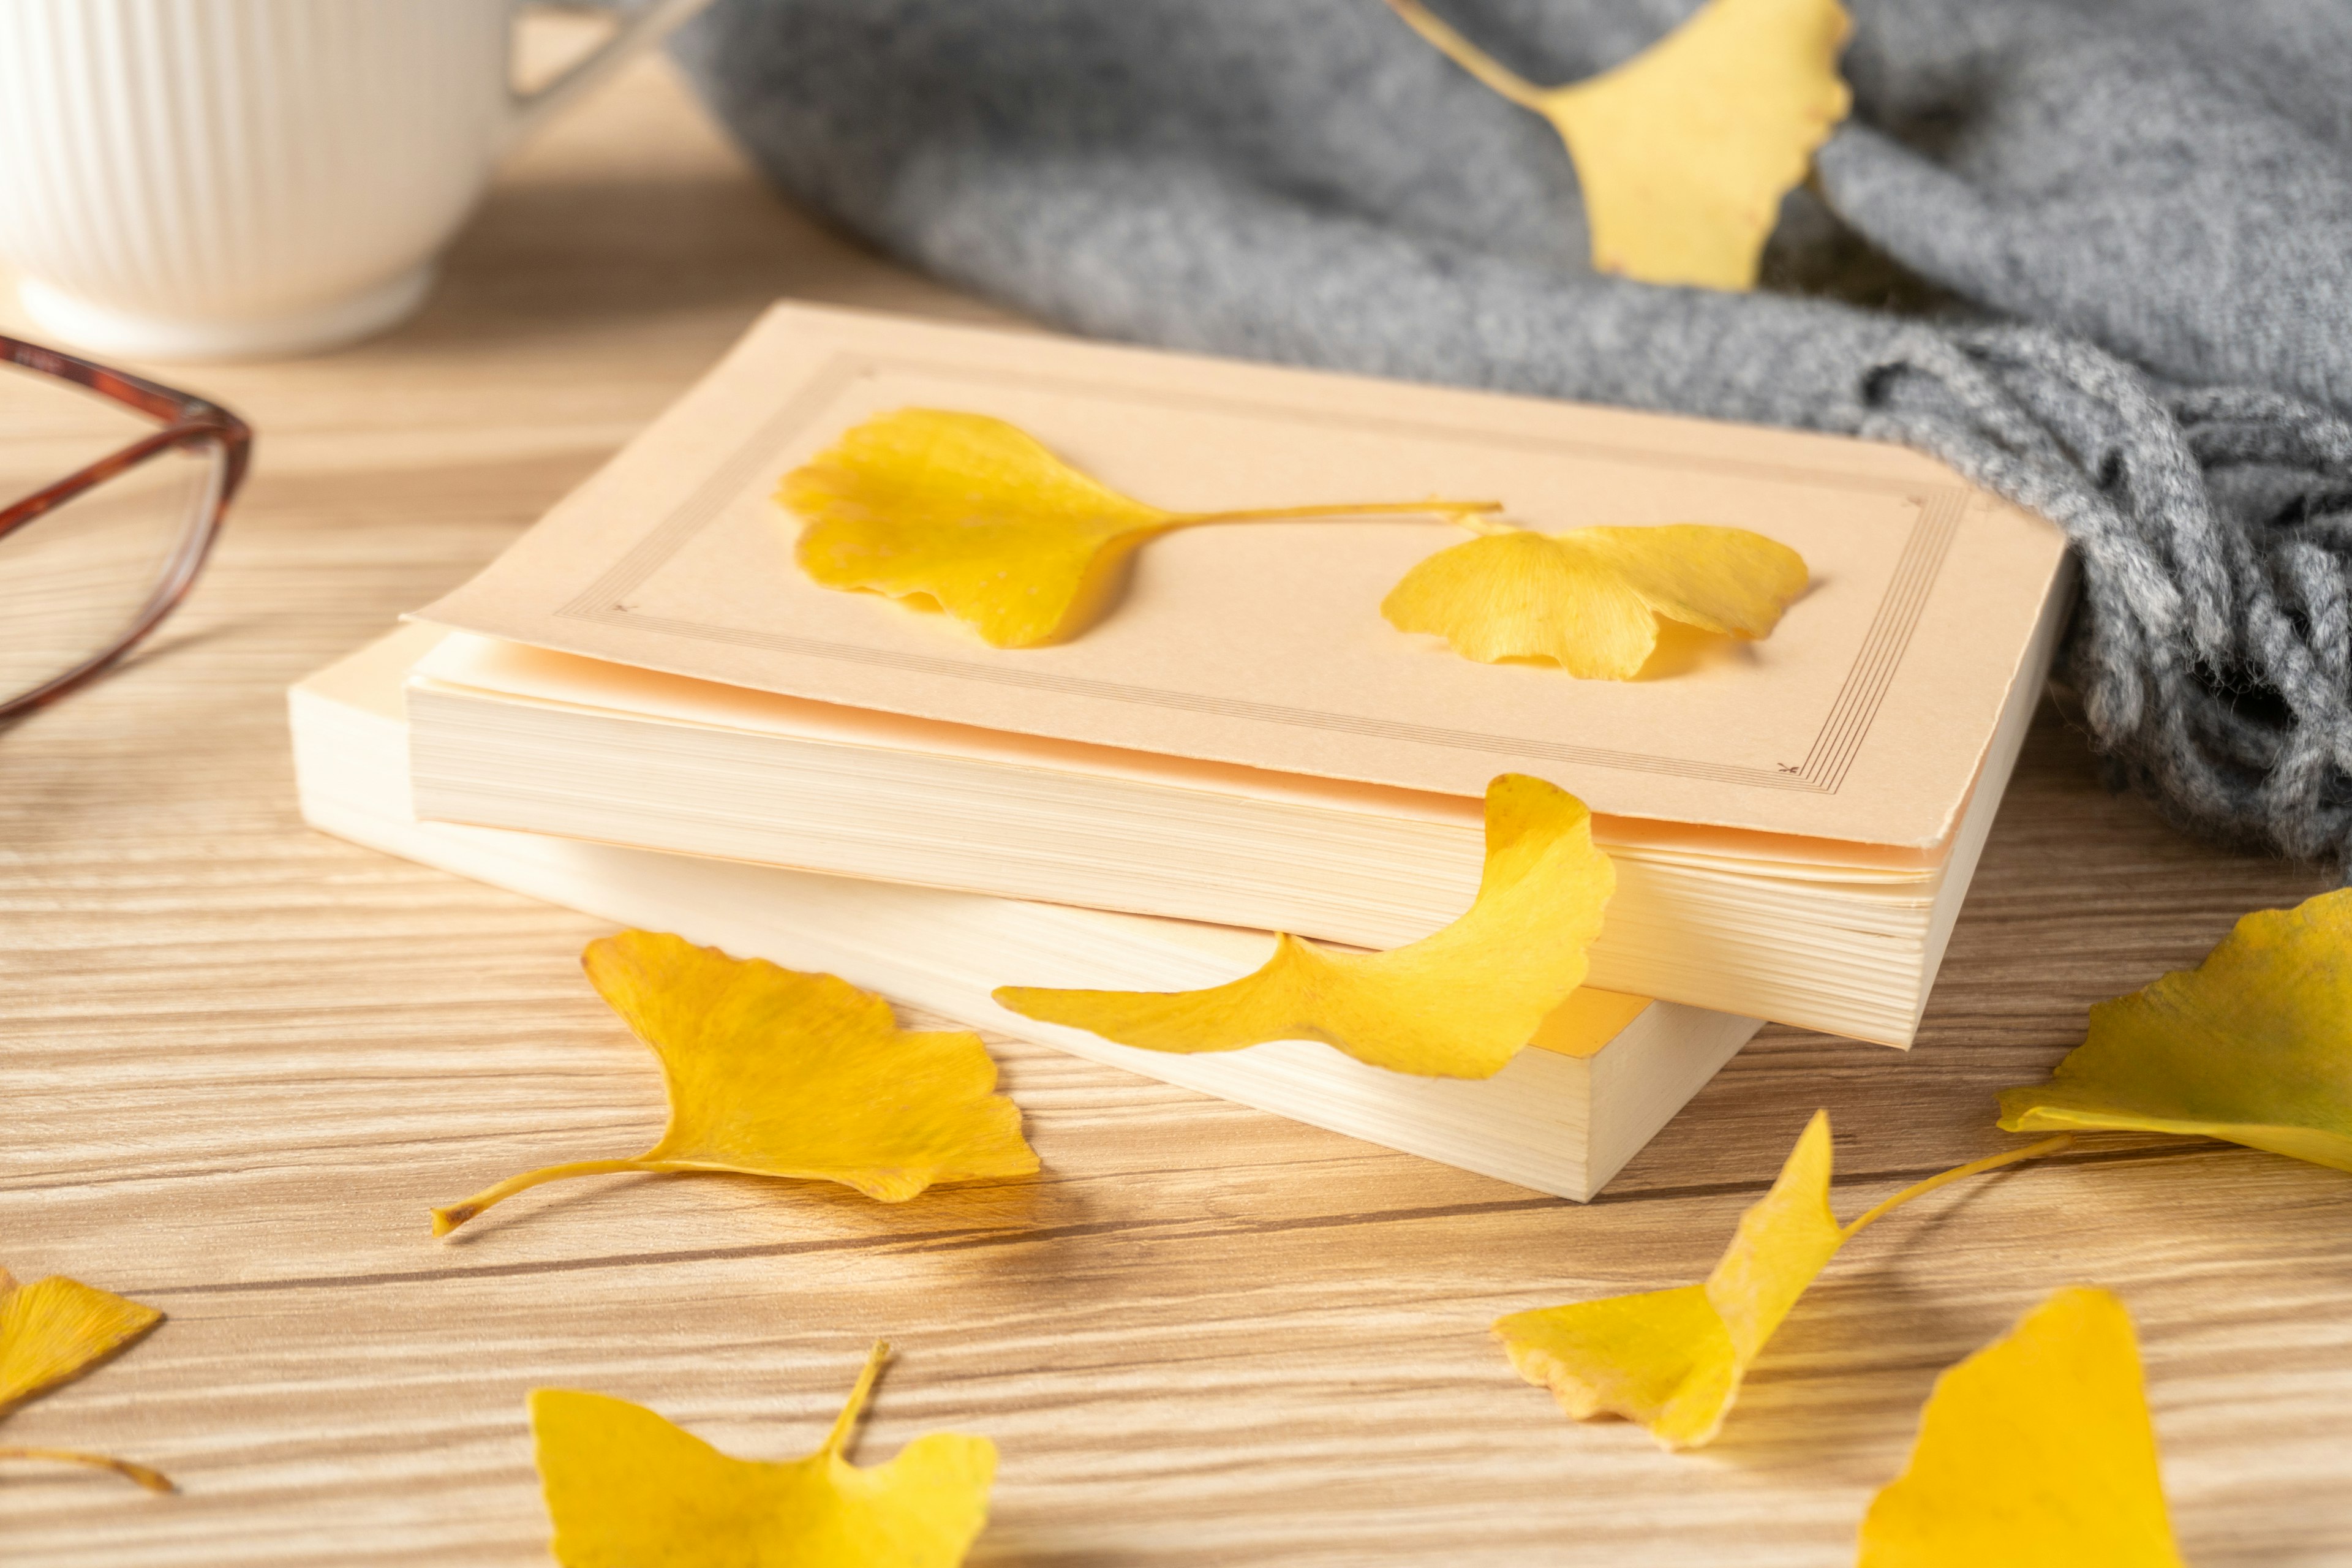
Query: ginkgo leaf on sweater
[1459, 1003]
[2254, 1044]
[1590, 599]
[54, 1330]
[777, 1073]
[1673, 1360]
[627, 1490]
[2035, 1452]
[977, 517]
[1685, 150]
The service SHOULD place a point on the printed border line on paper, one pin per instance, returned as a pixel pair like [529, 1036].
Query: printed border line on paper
[1832, 752]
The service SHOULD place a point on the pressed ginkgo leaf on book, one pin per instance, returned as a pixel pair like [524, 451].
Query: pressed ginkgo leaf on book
[1590, 599]
[1460, 1003]
[1673, 1360]
[2035, 1452]
[777, 1073]
[54, 1330]
[1685, 150]
[627, 1490]
[2254, 1044]
[977, 517]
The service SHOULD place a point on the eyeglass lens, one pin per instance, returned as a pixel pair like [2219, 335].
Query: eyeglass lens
[77, 580]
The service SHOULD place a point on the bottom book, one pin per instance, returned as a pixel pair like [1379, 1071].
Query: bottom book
[1602, 1075]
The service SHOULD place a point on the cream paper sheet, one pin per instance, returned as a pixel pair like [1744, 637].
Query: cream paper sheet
[464, 663]
[1861, 719]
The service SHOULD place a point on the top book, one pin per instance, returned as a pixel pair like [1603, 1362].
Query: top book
[1253, 660]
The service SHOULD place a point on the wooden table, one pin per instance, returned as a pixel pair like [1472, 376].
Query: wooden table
[239, 1060]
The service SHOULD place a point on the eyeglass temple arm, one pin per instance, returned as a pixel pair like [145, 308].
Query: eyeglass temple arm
[151, 398]
[188, 418]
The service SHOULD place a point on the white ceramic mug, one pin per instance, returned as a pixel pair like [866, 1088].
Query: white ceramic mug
[196, 179]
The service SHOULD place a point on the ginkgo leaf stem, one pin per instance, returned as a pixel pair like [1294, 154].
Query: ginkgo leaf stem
[1974, 1167]
[1478, 523]
[153, 1480]
[843, 1424]
[1469, 55]
[1453, 510]
[445, 1220]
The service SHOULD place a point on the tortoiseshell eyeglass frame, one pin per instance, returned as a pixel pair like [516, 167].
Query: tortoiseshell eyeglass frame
[190, 423]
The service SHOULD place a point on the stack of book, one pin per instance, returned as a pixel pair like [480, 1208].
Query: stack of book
[644, 709]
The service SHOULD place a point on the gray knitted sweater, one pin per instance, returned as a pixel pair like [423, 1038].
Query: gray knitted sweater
[2096, 253]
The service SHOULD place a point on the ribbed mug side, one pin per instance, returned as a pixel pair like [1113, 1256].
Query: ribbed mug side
[278, 172]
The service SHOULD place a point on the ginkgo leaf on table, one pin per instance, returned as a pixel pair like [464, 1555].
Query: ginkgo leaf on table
[627, 1490]
[2035, 1452]
[773, 1072]
[978, 517]
[1673, 1360]
[2254, 1044]
[1459, 1003]
[1685, 150]
[1590, 599]
[54, 1330]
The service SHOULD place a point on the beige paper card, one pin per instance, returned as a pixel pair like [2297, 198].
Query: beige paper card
[1862, 718]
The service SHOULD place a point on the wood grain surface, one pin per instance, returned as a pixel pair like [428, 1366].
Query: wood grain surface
[239, 1062]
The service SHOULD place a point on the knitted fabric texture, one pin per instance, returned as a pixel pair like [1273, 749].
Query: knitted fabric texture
[2096, 254]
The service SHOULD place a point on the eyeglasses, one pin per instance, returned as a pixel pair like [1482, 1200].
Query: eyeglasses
[92, 562]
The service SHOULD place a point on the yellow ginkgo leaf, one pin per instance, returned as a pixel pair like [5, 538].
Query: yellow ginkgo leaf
[975, 516]
[1459, 1003]
[2254, 1044]
[55, 1329]
[1685, 150]
[2035, 1452]
[1673, 1360]
[627, 1490]
[1590, 599]
[776, 1073]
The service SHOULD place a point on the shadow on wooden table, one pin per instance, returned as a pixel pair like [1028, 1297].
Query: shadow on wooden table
[603, 253]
